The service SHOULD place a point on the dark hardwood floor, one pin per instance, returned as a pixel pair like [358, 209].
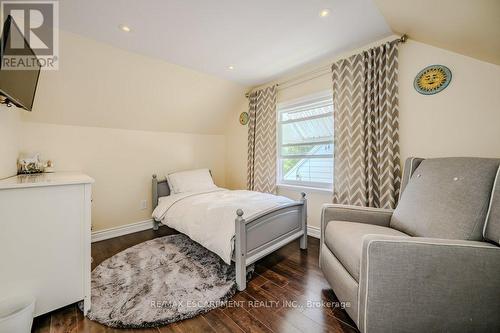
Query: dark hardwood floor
[288, 293]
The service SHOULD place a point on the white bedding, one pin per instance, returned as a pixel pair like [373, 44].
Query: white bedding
[208, 217]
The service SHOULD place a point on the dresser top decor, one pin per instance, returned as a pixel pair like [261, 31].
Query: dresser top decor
[45, 179]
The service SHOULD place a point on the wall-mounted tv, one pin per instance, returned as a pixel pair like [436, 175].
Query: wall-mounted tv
[18, 82]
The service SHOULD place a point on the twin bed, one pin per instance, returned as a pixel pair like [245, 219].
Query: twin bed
[239, 226]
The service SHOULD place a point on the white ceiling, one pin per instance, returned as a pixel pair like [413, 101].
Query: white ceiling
[262, 39]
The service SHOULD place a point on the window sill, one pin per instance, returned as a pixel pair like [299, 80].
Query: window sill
[305, 189]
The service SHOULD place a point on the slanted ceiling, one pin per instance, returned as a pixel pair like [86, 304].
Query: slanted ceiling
[468, 27]
[261, 39]
[99, 85]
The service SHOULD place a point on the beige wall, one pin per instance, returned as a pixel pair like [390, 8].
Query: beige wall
[103, 86]
[120, 117]
[9, 140]
[236, 149]
[122, 162]
[463, 120]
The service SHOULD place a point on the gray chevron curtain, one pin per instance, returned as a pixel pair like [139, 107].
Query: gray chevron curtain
[366, 142]
[261, 163]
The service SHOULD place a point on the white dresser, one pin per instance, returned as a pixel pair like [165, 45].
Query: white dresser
[45, 234]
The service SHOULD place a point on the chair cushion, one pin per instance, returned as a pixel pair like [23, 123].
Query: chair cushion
[492, 227]
[345, 240]
[447, 198]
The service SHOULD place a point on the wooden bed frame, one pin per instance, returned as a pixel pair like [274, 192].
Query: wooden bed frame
[260, 235]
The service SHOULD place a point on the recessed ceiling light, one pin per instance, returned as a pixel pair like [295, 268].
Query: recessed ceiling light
[125, 28]
[324, 12]
[230, 67]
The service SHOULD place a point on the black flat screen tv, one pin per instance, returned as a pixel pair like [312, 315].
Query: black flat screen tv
[18, 82]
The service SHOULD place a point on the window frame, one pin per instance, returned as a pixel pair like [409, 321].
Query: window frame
[322, 98]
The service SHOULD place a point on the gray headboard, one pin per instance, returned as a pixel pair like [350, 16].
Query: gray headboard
[160, 189]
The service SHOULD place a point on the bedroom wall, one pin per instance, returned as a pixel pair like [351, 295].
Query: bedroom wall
[120, 117]
[463, 120]
[9, 140]
[122, 162]
[103, 86]
[236, 149]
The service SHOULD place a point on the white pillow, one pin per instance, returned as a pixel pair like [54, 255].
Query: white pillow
[191, 181]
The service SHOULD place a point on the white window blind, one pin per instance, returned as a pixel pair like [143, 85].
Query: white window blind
[305, 142]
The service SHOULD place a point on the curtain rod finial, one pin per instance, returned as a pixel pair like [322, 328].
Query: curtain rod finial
[403, 38]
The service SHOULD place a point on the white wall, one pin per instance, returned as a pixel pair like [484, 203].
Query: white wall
[9, 140]
[120, 117]
[122, 162]
[463, 120]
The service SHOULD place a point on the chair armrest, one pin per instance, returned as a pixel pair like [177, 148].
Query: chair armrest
[369, 215]
[424, 284]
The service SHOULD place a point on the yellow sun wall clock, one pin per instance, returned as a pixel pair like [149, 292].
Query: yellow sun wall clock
[432, 79]
[244, 118]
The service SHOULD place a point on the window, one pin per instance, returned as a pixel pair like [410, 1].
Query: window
[305, 142]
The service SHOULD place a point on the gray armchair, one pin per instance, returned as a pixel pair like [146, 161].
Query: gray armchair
[432, 264]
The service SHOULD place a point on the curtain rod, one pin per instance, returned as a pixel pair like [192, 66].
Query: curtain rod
[318, 71]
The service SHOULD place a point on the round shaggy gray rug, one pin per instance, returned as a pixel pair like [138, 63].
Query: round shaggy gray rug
[159, 282]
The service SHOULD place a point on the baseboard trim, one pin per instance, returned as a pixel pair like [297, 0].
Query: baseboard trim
[101, 235]
[313, 231]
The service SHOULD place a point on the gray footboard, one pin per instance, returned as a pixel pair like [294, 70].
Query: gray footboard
[267, 232]
[260, 235]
